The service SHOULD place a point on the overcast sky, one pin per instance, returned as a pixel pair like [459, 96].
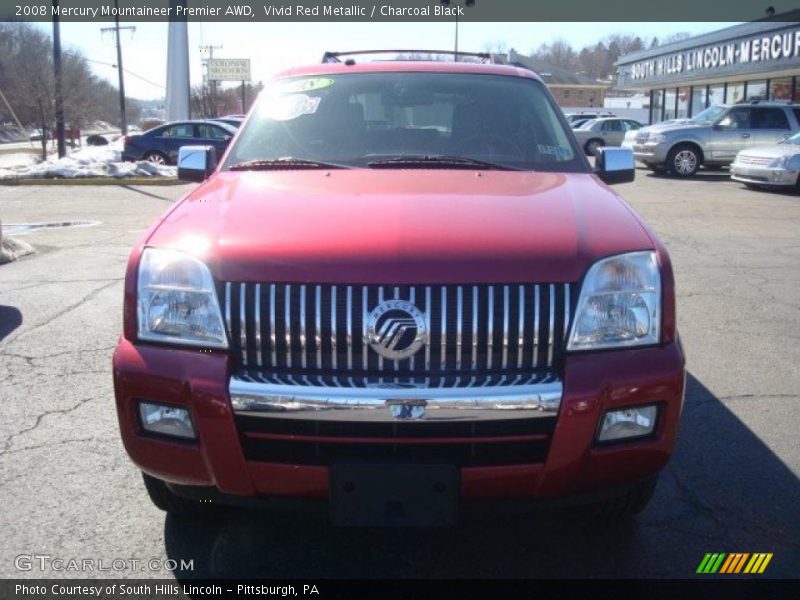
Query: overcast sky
[275, 46]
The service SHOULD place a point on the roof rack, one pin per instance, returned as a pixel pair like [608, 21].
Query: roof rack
[485, 57]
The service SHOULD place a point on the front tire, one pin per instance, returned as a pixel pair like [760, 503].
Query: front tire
[684, 160]
[171, 503]
[156, 158]
[592, 146]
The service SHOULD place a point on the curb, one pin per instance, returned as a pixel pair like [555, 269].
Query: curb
[95, 181]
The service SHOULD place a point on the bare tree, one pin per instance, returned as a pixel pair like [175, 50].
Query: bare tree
[27, 79]
[559, 53]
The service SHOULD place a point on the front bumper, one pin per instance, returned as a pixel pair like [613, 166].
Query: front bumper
[592, 384]
[650, 153]
[762, 175]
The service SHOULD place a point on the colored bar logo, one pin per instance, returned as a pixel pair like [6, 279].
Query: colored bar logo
[733, 563]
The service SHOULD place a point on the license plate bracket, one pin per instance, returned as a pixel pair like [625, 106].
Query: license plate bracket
[387, 495]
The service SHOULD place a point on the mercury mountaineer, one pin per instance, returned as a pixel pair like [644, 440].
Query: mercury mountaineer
[402, 295]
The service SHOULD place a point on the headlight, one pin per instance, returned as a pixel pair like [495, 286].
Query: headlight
[619, 304]
[628, 423]
[656, 138]
[177, 302]
[779, 163]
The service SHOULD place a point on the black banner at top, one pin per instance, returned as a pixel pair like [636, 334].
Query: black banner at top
[398, 10]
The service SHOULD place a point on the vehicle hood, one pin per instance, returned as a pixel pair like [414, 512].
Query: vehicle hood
[401, 226]
[776, 151]
[676, 126]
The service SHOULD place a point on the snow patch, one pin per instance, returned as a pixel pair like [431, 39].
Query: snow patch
[90, 161]
[11, 249]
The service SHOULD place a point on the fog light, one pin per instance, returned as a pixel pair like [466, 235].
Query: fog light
[166, 420]
[628, 423]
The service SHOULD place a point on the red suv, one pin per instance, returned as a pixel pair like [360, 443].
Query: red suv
[402, 294]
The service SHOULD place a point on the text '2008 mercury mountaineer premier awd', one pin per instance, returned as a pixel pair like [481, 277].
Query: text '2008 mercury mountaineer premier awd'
[402, 294]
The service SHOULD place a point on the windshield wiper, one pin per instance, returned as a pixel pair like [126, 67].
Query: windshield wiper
[286, 162]
[437, 160]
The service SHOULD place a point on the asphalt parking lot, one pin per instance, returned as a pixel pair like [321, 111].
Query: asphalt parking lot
[68, 490]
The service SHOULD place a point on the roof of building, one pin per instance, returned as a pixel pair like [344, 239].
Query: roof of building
[783, 20]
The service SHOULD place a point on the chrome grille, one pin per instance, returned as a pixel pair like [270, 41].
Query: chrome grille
[320, 329]
[641, 138]
[754, 160]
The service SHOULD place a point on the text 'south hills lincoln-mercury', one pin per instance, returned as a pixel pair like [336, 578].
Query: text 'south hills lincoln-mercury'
[402, 295]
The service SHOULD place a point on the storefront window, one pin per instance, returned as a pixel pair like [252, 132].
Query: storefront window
[658, 102]
[669, 104]
[735, 93]
[716, 94]
[756, 90]
[780, 89]
[698, 99]
[683, 103]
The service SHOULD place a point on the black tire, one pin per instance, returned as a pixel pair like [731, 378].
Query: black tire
[629, 503]
[684, 160]
[171, 503]
[592, 145]
[156, 157]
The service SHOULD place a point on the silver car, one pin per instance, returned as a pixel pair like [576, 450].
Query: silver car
[608, 131]
[683, 148]
[769, 166]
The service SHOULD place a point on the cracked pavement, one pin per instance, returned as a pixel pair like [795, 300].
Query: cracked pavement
[68, 490]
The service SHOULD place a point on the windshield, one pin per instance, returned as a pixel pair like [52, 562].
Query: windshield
[708, 115]
[587, 124]
[443, 120]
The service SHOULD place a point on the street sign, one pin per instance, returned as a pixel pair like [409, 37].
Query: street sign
[229, 69]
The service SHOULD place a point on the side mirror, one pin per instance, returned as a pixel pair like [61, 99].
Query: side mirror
[615, 165]
[196, 163]
[717, 127]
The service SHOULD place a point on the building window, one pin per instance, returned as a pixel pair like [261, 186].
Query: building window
[716, 94]
[580, 94]
[780, 89]
[756, 90]
[566, 94]
[735, 93]
[657, 104]
[698, 99]
[669, 104]
[683, 103]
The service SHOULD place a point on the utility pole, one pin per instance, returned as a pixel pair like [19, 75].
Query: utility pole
[467, 4]
[116, 29]
[208, 85]
[62, 146]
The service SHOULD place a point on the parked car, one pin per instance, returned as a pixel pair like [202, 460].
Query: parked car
[403, 292]
[586, 115]
[578, 123]
[608, 131]
[232, 120]
[769, 166]
[682, 149]
[160, 145]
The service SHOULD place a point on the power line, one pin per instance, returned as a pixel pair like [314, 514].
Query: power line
[112, 65]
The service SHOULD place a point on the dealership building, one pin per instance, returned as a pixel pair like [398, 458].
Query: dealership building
[743, 63]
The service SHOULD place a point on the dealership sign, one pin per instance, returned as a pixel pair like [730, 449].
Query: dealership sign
[229, 69]
[753, 50]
